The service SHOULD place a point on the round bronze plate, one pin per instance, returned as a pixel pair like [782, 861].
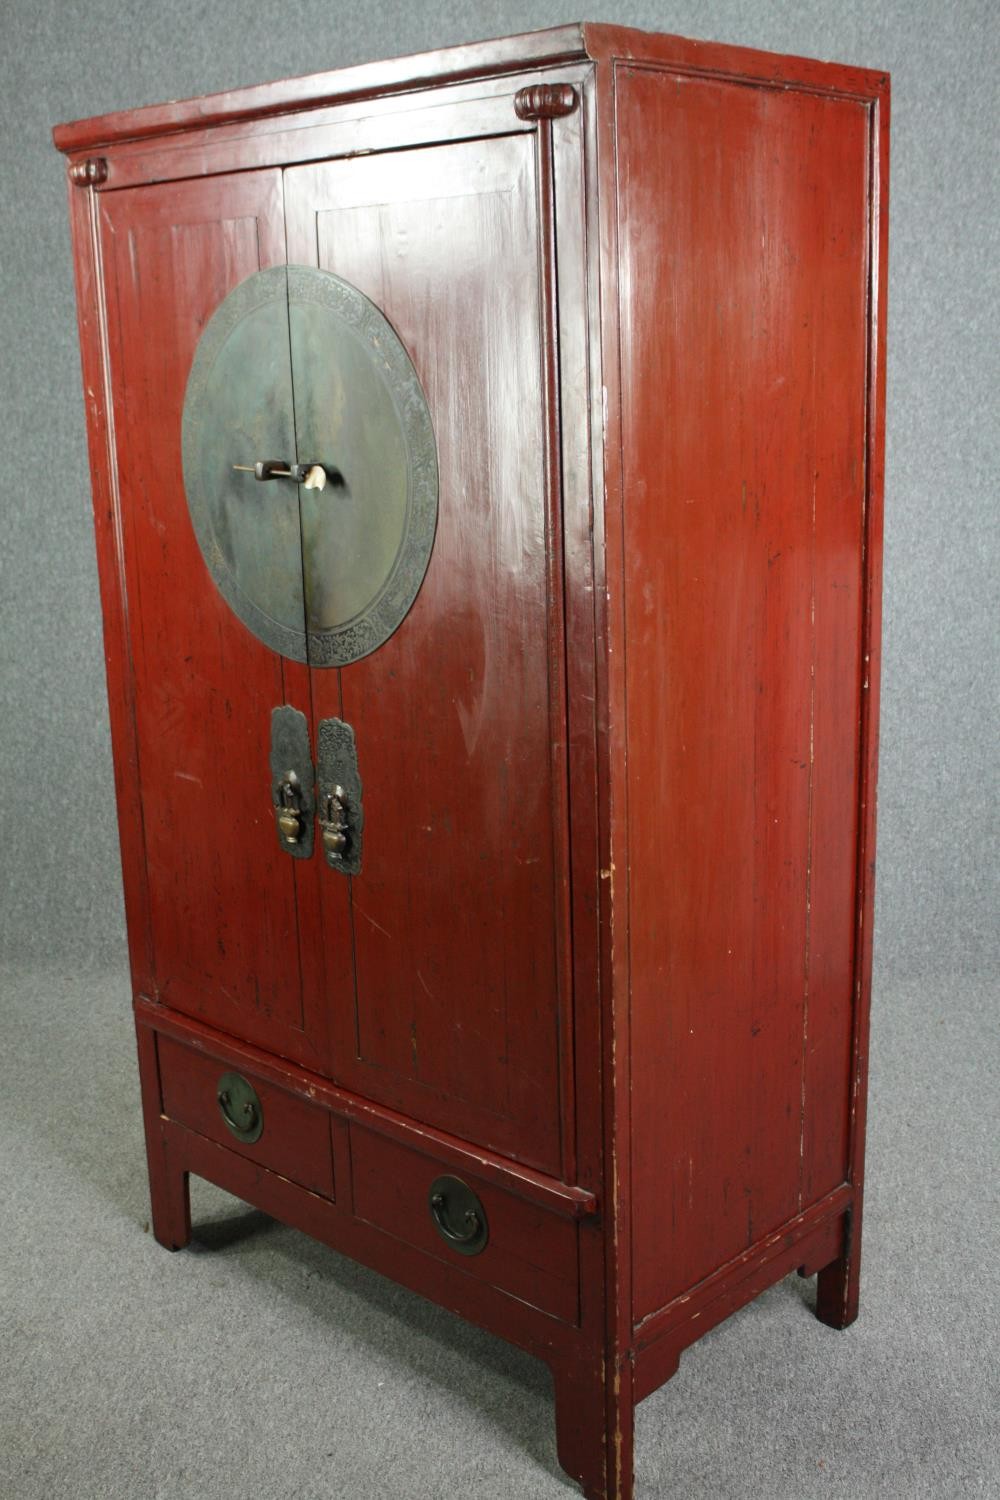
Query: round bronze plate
[240, 1106]
[297, 365]
[458, 1215]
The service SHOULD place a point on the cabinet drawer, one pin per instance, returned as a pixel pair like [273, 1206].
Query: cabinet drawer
[528, 1251]
[294, 1140]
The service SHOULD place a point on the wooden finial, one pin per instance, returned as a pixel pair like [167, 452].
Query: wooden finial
[89, 173]
[545, 101]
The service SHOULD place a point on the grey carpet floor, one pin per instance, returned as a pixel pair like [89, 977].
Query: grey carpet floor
[259, 1364]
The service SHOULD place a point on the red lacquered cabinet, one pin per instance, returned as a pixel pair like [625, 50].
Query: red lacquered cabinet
[487, 471]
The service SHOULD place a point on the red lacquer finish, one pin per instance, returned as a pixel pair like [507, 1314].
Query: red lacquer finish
[296, 1143]
[454, 914]
[608, 956]
[743, 411]
[220, 908]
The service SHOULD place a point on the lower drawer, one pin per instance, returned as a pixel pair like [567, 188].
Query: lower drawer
[478, 1227]
[292, 1135]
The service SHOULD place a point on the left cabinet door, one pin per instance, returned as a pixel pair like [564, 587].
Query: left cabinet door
[221, 893]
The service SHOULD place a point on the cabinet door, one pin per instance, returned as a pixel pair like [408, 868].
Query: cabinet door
[221, 893]
[455, 917]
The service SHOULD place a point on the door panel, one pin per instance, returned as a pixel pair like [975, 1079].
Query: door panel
[455, 1010]
[222, 898]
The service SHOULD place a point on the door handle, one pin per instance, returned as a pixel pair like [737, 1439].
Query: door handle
[333, 822]
[334, 803]
[459, 1216]
[292, 798]
[341, 815]
[288, 808]
[312, 476]
[240, 1107]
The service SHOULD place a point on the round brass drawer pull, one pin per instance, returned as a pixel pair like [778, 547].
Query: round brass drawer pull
[240, 1107]
[459, 1216]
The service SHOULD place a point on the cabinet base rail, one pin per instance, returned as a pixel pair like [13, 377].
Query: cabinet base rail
[596, 1388]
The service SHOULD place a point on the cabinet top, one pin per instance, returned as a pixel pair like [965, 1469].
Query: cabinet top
[579, 42]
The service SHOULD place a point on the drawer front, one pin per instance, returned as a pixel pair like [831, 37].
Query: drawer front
[528, 1251]
[294, 1140]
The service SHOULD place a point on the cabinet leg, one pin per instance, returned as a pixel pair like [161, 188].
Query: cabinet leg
[838, 1284]
[594, 1426]
[169, 1196]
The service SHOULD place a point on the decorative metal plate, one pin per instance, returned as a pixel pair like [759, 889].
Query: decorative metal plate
[240, 1106]
[238, 408]
[360, 408]
[292, 771]
[458, 1215]
[337, 767]
[298, 365]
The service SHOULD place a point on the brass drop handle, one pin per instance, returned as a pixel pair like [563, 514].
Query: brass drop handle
[313, 476]
[240, 1106]
[241, 1118]
[333, 821]
[288, 809]
[292, 777]
[340, 814]
[458, 1215]
[470, 1219]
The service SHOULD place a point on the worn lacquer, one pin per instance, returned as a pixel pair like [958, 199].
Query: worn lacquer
[601, 962]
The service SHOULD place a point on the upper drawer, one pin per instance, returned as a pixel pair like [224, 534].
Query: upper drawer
[295, 1139]
[528, 1251]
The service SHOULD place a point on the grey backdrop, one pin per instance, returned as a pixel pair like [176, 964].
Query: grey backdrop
[123, 1373]
[937, 865]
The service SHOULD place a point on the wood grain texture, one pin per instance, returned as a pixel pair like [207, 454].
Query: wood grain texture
[688, 57]
[455, 1153]
[840, 1282]
[389, 123]
[529, 1252]
[92, 327]
[487, 1306]
[549, 47]
[221, 900]
[456, 926]
[604, 1441]
[169, 1198]
[610, 952]
[744, 265]
[806, 1244]
[295, 1140]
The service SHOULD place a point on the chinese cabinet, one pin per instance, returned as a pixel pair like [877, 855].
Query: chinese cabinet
[486, 452]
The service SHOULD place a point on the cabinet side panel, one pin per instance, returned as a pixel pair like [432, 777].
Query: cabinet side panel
[744, 262]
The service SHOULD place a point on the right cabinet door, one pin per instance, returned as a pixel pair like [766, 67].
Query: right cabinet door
[457, 1010]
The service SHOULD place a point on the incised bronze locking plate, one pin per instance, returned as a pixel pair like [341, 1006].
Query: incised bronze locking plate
[310, 465]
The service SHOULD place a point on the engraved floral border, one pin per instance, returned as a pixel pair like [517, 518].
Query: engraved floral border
[373, 626]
